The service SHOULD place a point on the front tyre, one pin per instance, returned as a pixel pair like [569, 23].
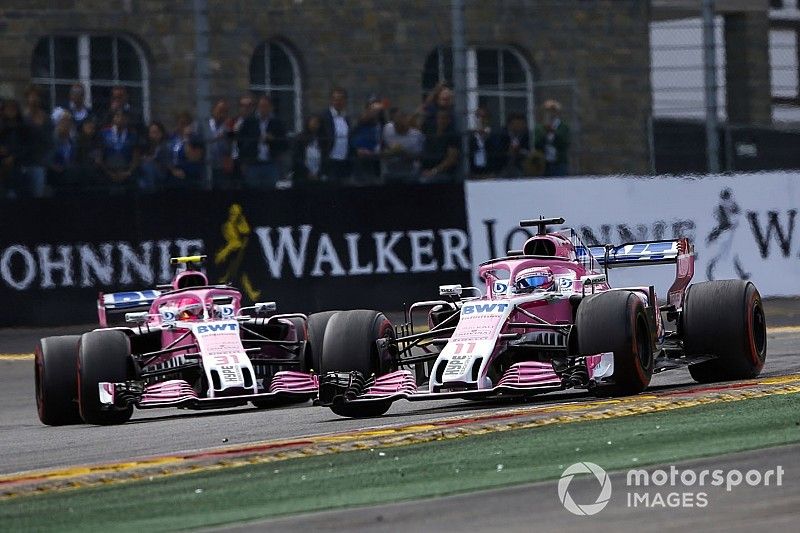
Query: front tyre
[317, 324]
[616, 321]
[724, 319]
[55, 378]
[350, 345]
[104, 355]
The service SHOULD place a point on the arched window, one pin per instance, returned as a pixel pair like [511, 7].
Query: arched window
[498, 79]
[98, 62]
[274, 70]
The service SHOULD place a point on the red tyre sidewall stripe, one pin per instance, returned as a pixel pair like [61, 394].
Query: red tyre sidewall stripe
[78, 379]
[751, 339]
[39, 382]
[637, 356]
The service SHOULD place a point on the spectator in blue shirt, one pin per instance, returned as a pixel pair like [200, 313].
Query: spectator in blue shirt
[367, 141]
[120, 151]
[63, 156]
[156, 159]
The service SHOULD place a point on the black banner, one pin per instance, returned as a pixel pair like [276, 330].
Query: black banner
[309, 250]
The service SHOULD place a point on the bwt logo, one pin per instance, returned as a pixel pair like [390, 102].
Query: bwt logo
[217, 327]
[484, 308]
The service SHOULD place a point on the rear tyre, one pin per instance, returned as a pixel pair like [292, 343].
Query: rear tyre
[616, 321]
[102, 356]
[724, 319]
[56, 383]
[317, 323]
[350, 345]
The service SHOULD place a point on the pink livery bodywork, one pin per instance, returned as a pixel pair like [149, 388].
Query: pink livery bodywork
[213, 341]
[468, 364]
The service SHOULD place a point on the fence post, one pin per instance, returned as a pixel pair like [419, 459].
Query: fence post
[710, 69]
[460, 84]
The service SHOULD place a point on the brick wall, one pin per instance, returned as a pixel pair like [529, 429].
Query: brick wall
[373, 46]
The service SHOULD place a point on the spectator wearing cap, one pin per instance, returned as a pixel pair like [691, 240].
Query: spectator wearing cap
[262, 141]
[367, 142]
[440, 151]
[219, 134]
[40, 137]
[307, 154]
[552, 137]
[403, 145]
[337, 154]
[76, 107]
[120, 152]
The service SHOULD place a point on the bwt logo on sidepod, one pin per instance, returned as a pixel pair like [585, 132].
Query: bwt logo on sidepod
[217, 327]
[484, 308]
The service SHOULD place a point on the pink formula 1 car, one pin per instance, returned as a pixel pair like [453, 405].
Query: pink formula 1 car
[548, 320]
[188, 344]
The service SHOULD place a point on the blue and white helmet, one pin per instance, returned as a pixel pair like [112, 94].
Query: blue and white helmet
[534, 279]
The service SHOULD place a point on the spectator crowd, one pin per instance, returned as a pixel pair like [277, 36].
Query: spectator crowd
[74, 148]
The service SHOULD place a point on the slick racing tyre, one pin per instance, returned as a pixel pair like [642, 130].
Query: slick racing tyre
[56, 380]
[616, 321]
[350, 345]
[317, 323]
[724, 319]
[104, 355]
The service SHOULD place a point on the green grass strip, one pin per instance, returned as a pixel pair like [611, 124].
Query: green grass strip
[409, 472]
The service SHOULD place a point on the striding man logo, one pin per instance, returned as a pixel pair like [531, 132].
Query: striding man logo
[236, 233]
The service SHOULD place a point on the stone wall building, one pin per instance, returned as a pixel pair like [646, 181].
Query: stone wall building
[591, 55]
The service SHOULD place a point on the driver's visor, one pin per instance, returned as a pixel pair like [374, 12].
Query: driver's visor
[532, 282]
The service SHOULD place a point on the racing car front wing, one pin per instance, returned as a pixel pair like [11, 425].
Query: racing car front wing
[521, 379]
[526, 378]
[178, 393]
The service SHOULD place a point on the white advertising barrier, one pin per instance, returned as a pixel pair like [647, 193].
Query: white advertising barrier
[743, 226]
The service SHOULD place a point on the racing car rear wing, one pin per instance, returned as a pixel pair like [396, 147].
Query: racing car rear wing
[638, 253]
[661, 252]
[124, 302]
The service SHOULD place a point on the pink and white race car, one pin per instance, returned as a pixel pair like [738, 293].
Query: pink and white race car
[547, 320]
[188, 344]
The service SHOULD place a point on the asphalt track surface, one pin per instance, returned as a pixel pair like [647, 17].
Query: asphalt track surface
[536, 506]
[26, 444]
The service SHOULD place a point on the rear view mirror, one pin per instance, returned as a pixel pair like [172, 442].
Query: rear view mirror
[265, 308]
[137, 318]
[450, 290]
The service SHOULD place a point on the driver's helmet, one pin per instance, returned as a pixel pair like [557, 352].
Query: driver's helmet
[190, 309]
[534, 279]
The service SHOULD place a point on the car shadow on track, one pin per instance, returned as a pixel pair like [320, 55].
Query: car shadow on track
[477, 406]
[230, 411]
